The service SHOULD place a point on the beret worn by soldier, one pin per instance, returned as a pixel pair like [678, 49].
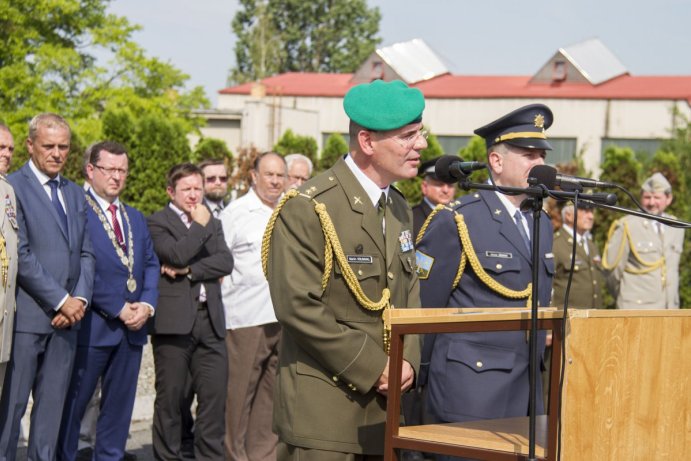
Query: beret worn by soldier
[524, 127]
[384, 106]
[657, 183]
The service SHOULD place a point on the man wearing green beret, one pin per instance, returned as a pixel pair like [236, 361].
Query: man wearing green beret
[340, 252]
[642, 255]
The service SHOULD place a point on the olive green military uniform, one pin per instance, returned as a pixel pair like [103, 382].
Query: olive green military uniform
[587, 281]
[643, 264]
[8, 271]
[332, 351]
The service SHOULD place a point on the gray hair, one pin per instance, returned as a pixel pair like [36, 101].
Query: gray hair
[47, 119]
[292, 158]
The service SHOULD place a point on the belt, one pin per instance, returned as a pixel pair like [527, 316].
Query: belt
[201, 305]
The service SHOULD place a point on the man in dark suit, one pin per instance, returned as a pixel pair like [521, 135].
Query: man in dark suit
[433, 191]
[55, 278]
[113, 331]
[485, 374]
[188, 331]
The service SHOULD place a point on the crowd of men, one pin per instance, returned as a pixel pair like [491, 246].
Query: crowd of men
[267, 310]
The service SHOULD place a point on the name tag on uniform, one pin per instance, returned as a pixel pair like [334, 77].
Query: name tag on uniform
[498, 254]
[359, 259]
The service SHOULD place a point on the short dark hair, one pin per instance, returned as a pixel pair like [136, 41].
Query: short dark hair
[113, 147]
[181, 170]
[212, 162]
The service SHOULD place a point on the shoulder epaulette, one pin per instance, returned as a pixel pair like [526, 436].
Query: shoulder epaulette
[318, 184]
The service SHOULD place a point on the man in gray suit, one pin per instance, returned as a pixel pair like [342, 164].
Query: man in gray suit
[55, 277]
[8, 250]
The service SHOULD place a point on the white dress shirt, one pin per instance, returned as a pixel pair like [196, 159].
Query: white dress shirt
[245, 292]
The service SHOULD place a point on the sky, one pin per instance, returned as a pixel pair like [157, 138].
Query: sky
[473, 37]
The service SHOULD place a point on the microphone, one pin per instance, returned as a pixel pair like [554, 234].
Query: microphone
[547, 175]
[451, 168]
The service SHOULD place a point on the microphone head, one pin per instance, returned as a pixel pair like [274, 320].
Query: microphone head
[543, 174]
[442, 168]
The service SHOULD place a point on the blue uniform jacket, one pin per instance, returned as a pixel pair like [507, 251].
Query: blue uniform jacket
[479, 375]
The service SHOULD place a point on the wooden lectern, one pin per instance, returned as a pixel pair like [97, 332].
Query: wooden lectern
[626, 394]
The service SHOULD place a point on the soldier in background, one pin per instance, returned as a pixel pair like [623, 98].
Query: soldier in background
[587, 280]
[433, 191]
[642, 255]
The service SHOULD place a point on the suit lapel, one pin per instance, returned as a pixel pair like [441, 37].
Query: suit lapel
[360, 204]
[34, 184]
[507, 226]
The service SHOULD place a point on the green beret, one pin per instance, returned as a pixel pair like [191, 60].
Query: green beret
[383, 106]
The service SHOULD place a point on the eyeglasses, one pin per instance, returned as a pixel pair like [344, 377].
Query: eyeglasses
[111, 171]
[407, 142]
[217, 178]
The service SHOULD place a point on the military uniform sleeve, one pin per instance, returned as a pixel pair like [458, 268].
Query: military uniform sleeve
[438, 258]
[615, 257]
[295, 269]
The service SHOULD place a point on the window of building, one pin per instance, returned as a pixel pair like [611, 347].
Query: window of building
[559, 71]
[644, 148]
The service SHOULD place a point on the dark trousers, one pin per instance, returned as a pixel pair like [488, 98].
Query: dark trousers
[41, 364]
[201, 355]
[118, 367]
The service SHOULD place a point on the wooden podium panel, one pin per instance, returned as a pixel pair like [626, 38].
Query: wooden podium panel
[627, 385]
[626, 393]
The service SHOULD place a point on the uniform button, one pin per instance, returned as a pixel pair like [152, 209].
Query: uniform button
[575, 268]
[595, 296]
[335, 378]
[479, 364]
[390, 275]
[594, 282]
[499, 266]
[359, 272]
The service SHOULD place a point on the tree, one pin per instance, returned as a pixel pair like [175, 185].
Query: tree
[475, 151]
[210, 149]
[48, 64]
[334, 148]
[291, 143]
[275, 36]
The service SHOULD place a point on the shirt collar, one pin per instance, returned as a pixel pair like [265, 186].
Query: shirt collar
[181, 214]
[254, 202]
[510, 207]
[371, 189]
[40, 175]
[103, 203]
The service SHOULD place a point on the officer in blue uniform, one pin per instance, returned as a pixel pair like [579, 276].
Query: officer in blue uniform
[484, 375]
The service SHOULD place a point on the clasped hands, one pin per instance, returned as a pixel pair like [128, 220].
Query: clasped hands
[71, 312]
[407, 377]
[134, 315]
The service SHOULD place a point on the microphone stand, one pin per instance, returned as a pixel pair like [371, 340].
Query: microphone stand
[536, 195]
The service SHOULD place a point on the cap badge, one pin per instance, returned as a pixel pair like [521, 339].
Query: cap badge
[539, 121]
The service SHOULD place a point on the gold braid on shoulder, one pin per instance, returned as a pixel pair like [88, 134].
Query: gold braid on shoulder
[332, 247]
[627, 239]
[469, 255]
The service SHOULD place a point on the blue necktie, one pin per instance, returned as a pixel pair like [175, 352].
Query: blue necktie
[521, 230]
[53, 183]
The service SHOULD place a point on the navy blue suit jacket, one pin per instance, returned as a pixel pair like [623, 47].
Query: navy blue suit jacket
[101, 325]
[485, 374]
[52, 263]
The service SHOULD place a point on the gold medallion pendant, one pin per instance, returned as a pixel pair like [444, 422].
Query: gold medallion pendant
[131, 284]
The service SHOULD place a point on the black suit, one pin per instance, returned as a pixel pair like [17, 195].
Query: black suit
[188, 335]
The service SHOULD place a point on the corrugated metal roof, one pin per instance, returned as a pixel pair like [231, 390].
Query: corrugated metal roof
[472, 87]
[594, 60]
[414, 61]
